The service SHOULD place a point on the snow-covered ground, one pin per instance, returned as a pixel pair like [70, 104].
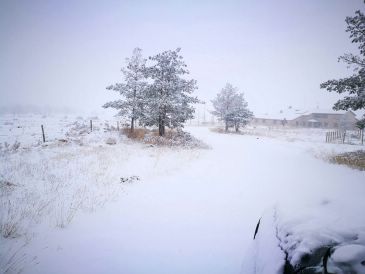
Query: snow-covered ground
[26, 128]
[189, 211]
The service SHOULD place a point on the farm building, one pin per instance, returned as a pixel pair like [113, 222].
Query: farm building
[314, 119]
[275, 119]
[345, 120]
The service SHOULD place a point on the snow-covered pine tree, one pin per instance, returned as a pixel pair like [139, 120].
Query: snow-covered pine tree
[170, 102]
[355, 84]
[223, 104]
[240, 114]
[133, 90]
[231, 108]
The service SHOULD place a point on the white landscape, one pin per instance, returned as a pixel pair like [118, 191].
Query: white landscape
[178, 210]
[182, 137]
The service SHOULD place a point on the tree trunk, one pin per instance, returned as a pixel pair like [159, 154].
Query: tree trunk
[133, 110]
[161, 130]
[226, 126]
[161, 126]
[237, 128]
[132, 125]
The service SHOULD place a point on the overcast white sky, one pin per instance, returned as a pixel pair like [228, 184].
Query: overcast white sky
[64, 53]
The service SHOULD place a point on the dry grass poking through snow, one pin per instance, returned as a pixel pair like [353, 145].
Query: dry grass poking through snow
[137, 134]
[172, 138]
[354, 159]
[222, 130]
[47, 186]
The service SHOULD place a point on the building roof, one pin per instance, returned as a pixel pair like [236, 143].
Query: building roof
[290, 113]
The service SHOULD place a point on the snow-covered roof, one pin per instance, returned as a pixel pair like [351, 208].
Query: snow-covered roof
[291, 113]
[288, 114]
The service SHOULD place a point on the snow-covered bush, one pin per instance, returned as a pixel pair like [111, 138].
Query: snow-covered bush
[77, 128]
[111, 141]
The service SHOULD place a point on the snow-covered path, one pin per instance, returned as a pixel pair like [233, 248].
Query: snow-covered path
[199, 218]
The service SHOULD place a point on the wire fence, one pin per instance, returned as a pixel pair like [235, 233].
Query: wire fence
[39, 130]
[345, 137]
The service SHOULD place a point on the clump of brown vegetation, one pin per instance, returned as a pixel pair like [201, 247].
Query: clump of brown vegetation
[354, 159]
[137, 133]
[172, 138]
[222, 130]
[218, 130]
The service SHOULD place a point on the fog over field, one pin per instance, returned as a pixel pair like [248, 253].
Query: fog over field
[64, 54]
[182, 137]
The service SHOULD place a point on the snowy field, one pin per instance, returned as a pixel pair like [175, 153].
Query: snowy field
[83, 206]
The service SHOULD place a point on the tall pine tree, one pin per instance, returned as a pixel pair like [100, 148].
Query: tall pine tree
[169, 102]
[132, 90]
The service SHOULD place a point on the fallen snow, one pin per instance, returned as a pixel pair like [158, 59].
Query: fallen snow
[192, 211]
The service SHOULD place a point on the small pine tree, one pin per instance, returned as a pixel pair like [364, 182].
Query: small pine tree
[133, 90]
[231, 108]
[241, 115]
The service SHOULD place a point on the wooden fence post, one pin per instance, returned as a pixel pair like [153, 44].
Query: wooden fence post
[91, 125]
[344, 136]
[44, 138]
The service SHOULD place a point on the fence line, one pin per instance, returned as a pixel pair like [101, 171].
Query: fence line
[343, 137]
[28, 133]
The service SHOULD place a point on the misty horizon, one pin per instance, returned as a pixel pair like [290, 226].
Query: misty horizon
[200, 137]
[63, 55]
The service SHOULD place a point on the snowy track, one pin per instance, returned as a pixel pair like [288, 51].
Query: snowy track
[199, 217]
